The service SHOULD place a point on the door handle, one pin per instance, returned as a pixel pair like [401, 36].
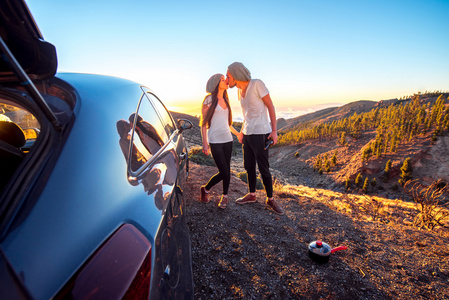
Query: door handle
[183, 155]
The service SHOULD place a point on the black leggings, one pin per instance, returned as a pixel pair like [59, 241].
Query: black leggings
[222, 156]
[254, 151]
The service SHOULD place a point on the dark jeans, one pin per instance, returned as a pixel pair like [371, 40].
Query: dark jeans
[222, 156]
[254, 151]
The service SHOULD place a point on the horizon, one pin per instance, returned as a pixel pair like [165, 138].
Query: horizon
[286, 112]
[281, 112]
[307, 54]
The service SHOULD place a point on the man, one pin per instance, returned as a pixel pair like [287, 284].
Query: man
[256, 131]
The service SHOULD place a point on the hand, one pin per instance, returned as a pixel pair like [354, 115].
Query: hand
[240, 137]
[206, 149]
[274, 136]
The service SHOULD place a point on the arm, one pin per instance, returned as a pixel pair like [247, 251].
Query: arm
[272, 113]
[204, 131]
[239, 135]
[234, 131]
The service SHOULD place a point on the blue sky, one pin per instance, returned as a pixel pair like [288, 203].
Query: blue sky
[309, 53]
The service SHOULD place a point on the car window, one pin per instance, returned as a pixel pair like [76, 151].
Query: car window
[149, 134]
[19, 130]
[26, 121]
[164, 114]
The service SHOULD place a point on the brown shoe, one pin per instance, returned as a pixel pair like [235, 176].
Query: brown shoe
[274, 206]
[248, 198]
[204, 195]
[223, 201]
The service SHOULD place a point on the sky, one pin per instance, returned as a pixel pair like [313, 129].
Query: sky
[309, 54]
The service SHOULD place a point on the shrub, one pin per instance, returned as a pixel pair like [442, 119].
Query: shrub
[430, 202]
[373, 207]
[279, 187]
[197, 156]
[243, 176]
[236, 147]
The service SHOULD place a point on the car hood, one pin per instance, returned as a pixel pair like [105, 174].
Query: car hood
[22, 36]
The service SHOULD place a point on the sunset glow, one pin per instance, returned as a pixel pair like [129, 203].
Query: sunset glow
[307, 53]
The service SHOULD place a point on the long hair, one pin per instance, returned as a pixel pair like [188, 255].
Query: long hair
[206, 119]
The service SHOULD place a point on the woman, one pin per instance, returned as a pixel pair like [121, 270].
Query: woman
[216, 128]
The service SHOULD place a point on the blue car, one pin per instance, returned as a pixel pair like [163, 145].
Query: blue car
[92, 174]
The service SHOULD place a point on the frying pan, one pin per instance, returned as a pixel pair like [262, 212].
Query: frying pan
[320, 251]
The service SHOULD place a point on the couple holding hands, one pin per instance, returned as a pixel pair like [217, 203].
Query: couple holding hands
[259, 127]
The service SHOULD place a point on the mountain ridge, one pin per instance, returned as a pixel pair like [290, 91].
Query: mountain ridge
[293, 164]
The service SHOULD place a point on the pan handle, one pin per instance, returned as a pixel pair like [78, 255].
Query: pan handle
[339, 248]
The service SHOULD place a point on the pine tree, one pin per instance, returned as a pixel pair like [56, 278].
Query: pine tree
[347, 183]
[446, 121]
[406, 171]
[386, 174]
[334, 158]
[358, 180]
[392, 143]
[367, 151]
[388, 167]
[387, 138]
[379, 150]
[318, 162]
[327, 166]
[365, 185]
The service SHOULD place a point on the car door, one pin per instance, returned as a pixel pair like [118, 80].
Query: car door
[157, 162]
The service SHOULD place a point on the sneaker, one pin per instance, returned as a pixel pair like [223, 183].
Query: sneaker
[274, 206]
[223, 202]
[204, 195]
[248, 198]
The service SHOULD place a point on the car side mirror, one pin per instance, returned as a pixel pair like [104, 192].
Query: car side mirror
[184, 124]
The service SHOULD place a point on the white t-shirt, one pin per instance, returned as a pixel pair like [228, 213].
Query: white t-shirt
[218, 131]
[255, 113]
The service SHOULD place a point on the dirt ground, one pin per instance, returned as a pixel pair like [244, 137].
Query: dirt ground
[248, 252]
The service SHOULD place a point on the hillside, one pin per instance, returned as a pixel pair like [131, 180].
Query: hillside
[294, 164]
[373, 134]
[248, 252]
[337, 113]
[330, 114]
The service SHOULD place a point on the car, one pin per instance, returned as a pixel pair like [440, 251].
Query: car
[92, 175]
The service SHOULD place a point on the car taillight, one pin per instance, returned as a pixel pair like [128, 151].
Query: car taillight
[119, 269]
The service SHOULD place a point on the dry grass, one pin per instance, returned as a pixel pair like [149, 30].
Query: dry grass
[248, 252]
